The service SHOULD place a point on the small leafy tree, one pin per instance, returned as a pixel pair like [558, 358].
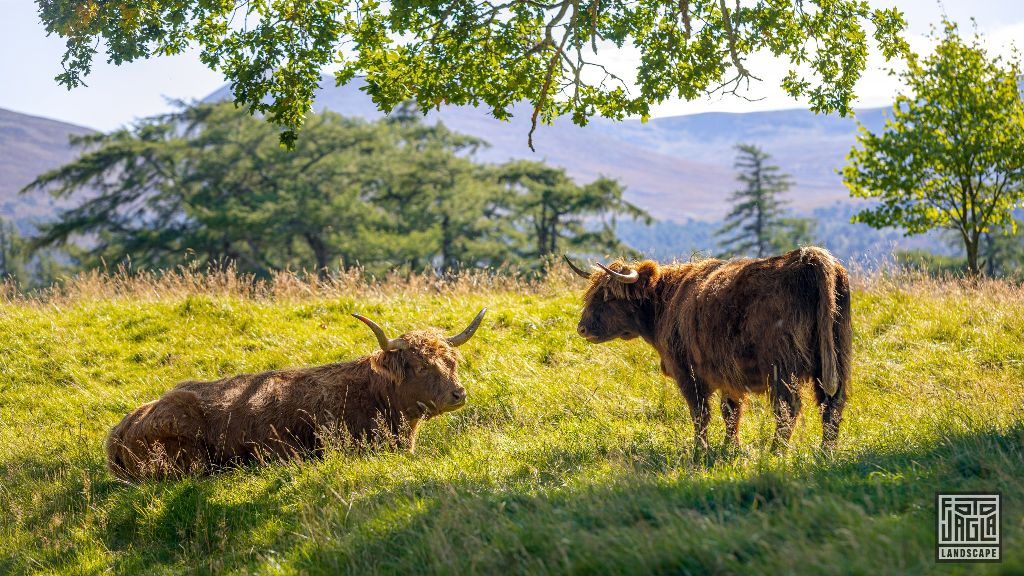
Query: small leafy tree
[757, 223]
[952, 154]
[26, 267]
[555, 55]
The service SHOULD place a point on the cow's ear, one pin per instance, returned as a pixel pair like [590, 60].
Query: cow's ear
[390, 364]
[648, 274]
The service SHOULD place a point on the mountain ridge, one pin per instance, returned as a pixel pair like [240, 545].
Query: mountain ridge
[30, 146]
[678, 167]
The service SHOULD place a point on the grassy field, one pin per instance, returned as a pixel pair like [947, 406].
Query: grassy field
[569, 457]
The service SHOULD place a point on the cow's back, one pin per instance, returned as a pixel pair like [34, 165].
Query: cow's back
[252, 415]
[737, 323]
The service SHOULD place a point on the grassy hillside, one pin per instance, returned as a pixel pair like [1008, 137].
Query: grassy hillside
[569, 457]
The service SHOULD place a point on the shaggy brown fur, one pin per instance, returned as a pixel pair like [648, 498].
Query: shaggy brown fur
[198, 426]
[739, 326]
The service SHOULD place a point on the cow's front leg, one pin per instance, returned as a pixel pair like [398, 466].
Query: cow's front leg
[732, 412]
[697, 396]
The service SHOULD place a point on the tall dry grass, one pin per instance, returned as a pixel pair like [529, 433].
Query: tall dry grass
[285, 286]
[125, 283]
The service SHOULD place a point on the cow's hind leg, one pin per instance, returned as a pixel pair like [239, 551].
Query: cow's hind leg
[732, 412]
[785, 399]
[831, 415]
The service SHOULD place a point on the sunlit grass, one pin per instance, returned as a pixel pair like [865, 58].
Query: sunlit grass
[569, 456]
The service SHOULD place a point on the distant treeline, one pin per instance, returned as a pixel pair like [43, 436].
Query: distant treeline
[210, 184]
[937, 252]
[665, 240]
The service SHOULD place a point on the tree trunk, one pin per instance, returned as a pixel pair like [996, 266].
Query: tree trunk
[990, 255]
[319, 248]
[971, 247]
[759, 221]
[447, 262]
[542, 232]
[553, 235]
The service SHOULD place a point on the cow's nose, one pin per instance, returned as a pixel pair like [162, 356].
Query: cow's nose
[582, 330]
[459, 395]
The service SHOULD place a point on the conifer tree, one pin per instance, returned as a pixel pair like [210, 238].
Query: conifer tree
[754, 224]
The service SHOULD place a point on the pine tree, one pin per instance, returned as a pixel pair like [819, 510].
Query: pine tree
[210, 185]
[756, 217]
[557, 214]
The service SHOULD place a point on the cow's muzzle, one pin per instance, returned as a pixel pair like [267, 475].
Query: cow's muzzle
[457, 400]
[589, 336]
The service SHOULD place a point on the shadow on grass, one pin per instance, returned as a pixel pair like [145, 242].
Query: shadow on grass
[150, 527]
[867, 513]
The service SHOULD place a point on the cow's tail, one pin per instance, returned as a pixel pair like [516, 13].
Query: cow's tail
[843, 330]
[825, 273]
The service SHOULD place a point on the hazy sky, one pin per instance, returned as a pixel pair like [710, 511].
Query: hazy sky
[118, 94]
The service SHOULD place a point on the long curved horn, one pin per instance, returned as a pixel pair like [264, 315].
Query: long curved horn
[630, 278]
[382, 338]
[461, 338]
[574, 268]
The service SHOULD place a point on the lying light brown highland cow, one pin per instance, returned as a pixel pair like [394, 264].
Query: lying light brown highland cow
[200, 426]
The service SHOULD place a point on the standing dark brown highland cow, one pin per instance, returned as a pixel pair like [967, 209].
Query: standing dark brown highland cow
[738, 326]
[284, 414]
